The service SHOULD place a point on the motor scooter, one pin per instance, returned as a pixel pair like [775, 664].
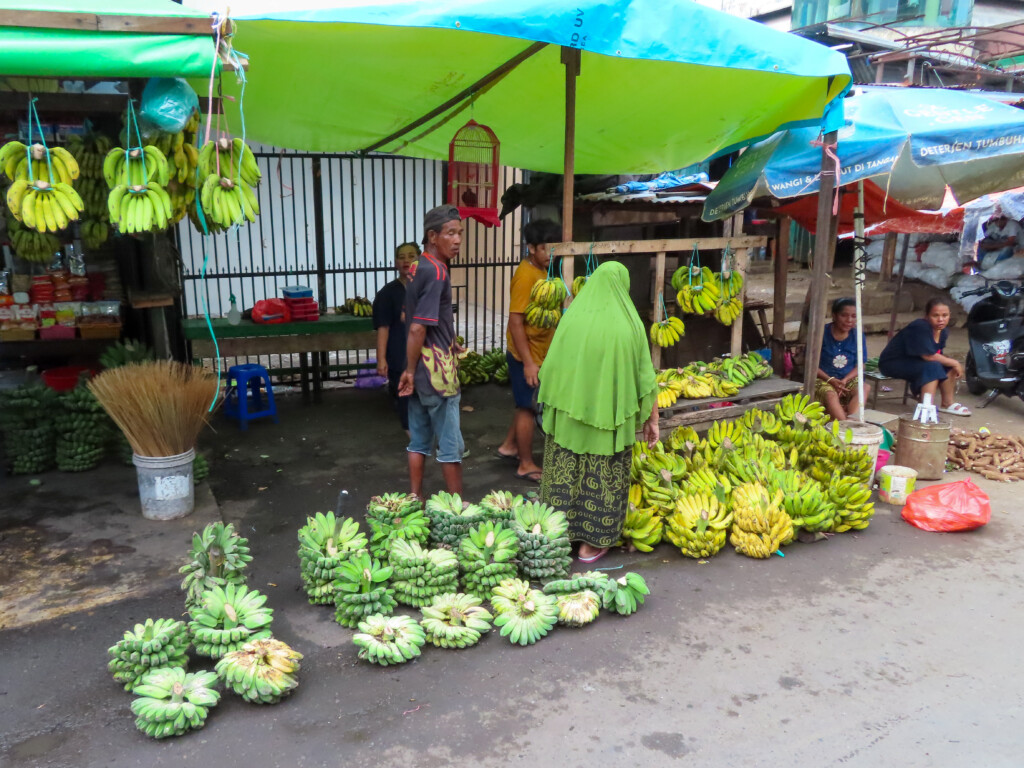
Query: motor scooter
[995, 334]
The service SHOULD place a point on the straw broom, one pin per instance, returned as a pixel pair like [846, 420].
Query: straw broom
[161, 406]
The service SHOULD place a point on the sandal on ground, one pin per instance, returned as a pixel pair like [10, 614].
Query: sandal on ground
[957, 409]
[533, 477]
[594, 558]
[507, 456]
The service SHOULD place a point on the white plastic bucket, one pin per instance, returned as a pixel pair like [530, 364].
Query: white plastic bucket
[166, 488]
[860, 434]
[895, 483]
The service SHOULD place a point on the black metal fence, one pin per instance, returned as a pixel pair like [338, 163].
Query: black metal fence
[332, 222]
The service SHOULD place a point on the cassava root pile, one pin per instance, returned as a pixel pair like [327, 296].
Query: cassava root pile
[995, 457]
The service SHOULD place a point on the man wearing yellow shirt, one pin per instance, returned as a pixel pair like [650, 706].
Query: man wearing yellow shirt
[527, 347]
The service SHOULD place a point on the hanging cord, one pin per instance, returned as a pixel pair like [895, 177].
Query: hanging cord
[694, 262]
[664, 309]
[728, 258]
[592, 261]
[132, 122]
[33, 113]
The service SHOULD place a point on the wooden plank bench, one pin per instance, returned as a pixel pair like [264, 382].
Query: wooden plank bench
[328, 334]
[763, 393]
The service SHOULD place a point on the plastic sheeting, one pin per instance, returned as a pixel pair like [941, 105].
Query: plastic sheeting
[663, 83]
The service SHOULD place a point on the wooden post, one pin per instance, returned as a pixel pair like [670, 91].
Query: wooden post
[571, 60]
[659, 291]
[778, 341]
[888, 258]
[741, 258]
[818, 290]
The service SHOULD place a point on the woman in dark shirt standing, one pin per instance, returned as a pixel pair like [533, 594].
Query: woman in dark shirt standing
[389, 322]
[915, 355]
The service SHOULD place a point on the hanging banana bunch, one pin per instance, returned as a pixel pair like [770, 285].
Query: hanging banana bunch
[230, 173]
[182, 161]
[41, 195]
[90, 150]
[667, 332]
[31, 245]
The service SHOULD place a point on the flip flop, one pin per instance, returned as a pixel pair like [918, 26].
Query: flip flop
[506, 456]
[532, 477]
[957, 409]
[594, 558]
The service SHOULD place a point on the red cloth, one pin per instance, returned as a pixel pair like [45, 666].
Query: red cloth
[881, 214]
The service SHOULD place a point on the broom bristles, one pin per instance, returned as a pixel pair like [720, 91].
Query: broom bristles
[160, 406]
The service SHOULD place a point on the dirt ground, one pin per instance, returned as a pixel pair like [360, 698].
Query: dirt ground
[891, 646]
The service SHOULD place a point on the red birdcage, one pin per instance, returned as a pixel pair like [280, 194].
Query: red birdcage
[473, 173]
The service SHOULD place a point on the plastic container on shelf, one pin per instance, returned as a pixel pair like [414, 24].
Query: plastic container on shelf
[166, 485]
[58, 332]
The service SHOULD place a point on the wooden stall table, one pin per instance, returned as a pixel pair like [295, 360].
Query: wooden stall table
[763, 393]
[328, 334]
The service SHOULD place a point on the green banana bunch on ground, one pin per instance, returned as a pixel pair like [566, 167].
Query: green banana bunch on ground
[406, 522]
[499, 505]
[27, 422]
[451, 519]
[758, 422]
[699, 526]
[83, 431]
[419, 575]
[751, 462]
[472, 369]
[543, 533]
[326, 542]
[722, 430]
[523, 615]
[805, 501]
[680, 436]
[625, 595]
[154, 644]
[218, 557]
[706, 480]
[361, 589]
[501, 374]
[487, 556]
[595, 581]
[388, 640]
[577, 609]
[760, 524]
[228, 618]
[852, 502]
[493, 361]
[126, 352]
[172, 702]
[261, 672]
[642, 529]
[455, 621]
[800, 410]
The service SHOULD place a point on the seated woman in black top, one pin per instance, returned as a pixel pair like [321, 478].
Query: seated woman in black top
[389, 320]
[915, 355]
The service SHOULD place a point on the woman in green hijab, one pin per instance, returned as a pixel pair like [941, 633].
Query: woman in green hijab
[598, 389]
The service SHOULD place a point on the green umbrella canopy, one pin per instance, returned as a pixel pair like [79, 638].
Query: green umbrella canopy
[663, 83]
[112, 39]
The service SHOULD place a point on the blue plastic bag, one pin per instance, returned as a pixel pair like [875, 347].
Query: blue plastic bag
[168, 103]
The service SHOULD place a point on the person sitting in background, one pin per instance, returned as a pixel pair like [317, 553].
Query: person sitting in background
[915, 355]
[837, 369]
[389, 322]
[1003, 236]
[527, 347]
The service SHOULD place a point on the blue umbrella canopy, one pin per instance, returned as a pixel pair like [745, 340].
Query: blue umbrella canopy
[662, 83]
[912, 142]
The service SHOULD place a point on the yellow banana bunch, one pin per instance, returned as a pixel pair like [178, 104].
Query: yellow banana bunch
[636, 495]
[548, 293]
[727, 311]
[135, 167]
[722, 387]
[183, 199]
[89, 150]
[699, 525]
[760, 422]
[230, 158]
[22, 163]
[30, 244]
[539, 317]
[760, 524]
[95, 233]
[667, 332]
[852, 501]
[668, 393]
[577, 285]
[731, 283]
[359, 307]
[227, 203]
[800, 410]
[642, 529]
[680, 436]
[723, 430]
[139, 208]
[697, 386]
[43, 206]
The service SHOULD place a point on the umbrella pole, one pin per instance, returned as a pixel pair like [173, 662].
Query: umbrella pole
[858, 284]
[899, 286]
[571, 60]
[822, 248]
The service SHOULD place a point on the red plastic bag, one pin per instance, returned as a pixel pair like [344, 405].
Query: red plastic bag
[959, 506]
[270, 311]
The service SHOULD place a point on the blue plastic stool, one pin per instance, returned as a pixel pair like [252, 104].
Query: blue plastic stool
[247, 380]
